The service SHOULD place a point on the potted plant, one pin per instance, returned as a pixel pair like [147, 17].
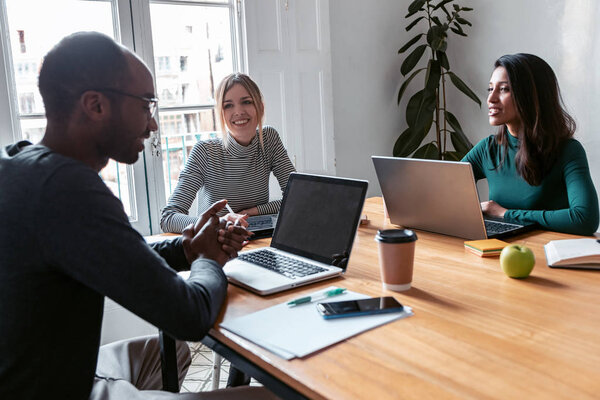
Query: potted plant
[427, 106]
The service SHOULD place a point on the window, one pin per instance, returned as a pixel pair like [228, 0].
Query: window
[26, 103]
[183, 63]
[186, 37]
[30, 40]
[164, 64]
[199, 35]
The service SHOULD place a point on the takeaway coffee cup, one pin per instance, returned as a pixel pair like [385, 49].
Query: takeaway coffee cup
[396, 256]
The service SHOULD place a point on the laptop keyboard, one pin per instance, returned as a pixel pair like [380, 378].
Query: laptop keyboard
[288, 266]
[260, 222]
[495, 227]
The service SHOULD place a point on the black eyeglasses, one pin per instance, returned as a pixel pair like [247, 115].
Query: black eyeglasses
[152, 101]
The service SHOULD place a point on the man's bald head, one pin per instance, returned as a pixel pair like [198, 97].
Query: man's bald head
[79, 62]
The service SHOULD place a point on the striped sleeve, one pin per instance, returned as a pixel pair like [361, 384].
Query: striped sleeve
[239, 174]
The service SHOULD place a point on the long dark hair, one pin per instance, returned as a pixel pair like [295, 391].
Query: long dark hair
[546, 125]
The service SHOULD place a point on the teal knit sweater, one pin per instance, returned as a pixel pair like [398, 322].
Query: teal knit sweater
[565, 201]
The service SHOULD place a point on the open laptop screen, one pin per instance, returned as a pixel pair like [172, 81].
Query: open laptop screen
[319, 216]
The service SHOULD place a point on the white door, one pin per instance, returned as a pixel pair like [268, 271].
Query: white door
[288, 54]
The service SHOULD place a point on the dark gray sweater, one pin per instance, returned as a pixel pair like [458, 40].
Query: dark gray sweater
[65, 243]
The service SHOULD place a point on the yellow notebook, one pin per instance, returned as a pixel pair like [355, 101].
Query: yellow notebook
[486, 247]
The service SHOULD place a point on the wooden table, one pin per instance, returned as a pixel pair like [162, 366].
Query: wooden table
[475, 334]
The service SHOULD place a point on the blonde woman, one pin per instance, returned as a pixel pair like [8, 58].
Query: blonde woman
[235, 167]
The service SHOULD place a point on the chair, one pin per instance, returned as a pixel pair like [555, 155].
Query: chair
[168, 359]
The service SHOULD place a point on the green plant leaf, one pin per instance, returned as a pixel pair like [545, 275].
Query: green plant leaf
[453, 121]
[460, 85]
[458, 32]
[436, 21]
[406, 82]
[410, 26]
[419, 110]
[436, 37]
[443, 59]
[457, 26]
[412, 59]
[459, 140]
[456, 7]
[442, 3]
[406, 143]
[446, 12]
[467, 9]
[428, 151]
[419, 115]
[432, 78]
[435, 33]
[463, 21]
[410, 43]
[458, 143]
[453, 156]
[416, 5]
[441, 45]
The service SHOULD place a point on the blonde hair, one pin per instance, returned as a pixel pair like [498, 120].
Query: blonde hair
[257, 98]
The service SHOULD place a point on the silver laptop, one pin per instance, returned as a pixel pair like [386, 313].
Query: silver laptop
[437, 196]
[313, 237]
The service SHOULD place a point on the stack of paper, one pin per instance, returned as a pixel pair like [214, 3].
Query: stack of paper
[298, 331]
[485, 248]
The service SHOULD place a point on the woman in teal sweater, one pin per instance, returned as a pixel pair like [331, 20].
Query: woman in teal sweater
[536, 171]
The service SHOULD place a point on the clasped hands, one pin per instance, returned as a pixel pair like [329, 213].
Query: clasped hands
[214, 238]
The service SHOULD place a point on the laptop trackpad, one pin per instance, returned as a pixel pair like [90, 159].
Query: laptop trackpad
[253, 275]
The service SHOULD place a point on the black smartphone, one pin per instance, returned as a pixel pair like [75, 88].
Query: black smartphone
[352, 308]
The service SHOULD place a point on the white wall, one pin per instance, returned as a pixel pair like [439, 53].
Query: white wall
[365, 37]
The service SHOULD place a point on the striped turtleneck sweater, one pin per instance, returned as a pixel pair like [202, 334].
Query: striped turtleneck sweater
[237, 173]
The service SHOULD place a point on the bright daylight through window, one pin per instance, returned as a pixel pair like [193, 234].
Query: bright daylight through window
[192, 53]
[30, 39]
[193, 48]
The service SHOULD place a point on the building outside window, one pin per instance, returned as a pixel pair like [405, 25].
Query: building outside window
[200, 37]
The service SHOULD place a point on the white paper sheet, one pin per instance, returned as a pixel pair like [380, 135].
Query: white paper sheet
[299, 331]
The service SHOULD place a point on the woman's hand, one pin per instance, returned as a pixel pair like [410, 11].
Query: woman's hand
[493, 209]
[250, 211]
[239, 219]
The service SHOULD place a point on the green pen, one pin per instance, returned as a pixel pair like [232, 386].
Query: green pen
[310, 299]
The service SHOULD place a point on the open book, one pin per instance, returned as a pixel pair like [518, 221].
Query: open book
[573, 253]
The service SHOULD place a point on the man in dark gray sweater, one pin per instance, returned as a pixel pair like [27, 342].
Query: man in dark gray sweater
[66, 242]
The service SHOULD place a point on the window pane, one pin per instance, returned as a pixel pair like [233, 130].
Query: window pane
[31, 37]
[192, 52]
[116, 177]
[33, 129]
[180, 131]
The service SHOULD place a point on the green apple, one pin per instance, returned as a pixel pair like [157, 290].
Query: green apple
[517, 261]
